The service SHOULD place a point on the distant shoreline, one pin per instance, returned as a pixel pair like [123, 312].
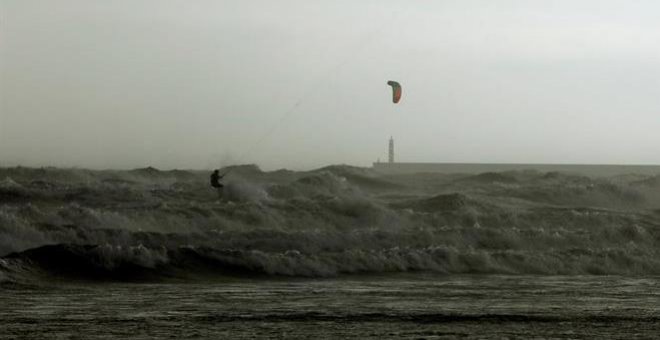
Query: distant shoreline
[474, 168]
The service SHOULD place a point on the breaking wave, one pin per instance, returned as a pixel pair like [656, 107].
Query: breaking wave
[148, 224]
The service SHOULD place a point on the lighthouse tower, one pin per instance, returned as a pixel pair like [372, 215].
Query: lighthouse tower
[391, 153]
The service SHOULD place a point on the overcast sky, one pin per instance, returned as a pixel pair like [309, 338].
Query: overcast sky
[302, 84]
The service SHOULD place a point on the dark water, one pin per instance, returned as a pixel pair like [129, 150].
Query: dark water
[411, 306]
[338, 252]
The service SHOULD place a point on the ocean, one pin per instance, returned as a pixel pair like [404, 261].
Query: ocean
[409, 306]
[339, 252]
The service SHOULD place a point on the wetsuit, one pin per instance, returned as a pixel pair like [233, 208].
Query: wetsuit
[215, 180]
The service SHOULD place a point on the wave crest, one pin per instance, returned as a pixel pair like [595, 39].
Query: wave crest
[154, 224]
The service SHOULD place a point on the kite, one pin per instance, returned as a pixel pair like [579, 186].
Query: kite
[396, 91]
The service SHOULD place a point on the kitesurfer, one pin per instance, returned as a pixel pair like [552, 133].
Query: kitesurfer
[215, 181]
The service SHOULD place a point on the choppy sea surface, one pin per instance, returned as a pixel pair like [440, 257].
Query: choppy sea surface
[410, 306]
[337, 252]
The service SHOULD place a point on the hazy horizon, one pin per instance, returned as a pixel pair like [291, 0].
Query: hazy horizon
[302, 84]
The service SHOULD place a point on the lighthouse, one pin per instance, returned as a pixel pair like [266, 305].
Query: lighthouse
[391, 151]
